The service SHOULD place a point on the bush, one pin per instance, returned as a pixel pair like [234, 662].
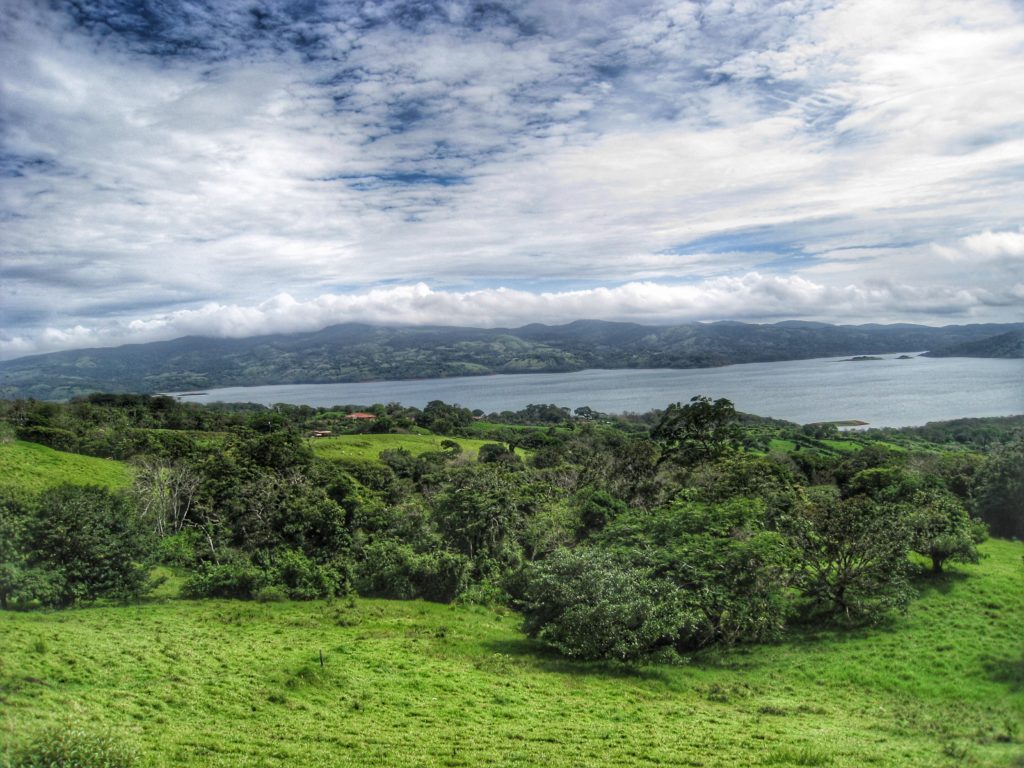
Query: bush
[52, 437]
[273, 593]
[72, 747]
[586, 605]
[180, 549]
[305, 579]
[394, 569]
[241, 580]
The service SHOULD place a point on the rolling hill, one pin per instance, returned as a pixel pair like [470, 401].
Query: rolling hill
[356, 352]
[1009, 345]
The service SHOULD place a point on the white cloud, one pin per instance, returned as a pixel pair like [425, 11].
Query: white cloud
[996, 244]
[168, 182]
[752, 297]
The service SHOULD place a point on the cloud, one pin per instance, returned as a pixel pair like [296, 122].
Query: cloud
[993, 245]
[752, 297]
[159, 158]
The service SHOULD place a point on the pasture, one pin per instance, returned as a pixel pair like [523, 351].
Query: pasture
[227, 683]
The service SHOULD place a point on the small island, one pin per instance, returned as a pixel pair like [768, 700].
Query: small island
[905, 357]
[861, 358]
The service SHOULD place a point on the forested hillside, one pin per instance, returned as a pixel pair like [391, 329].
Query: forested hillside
[1008, 345]
[354, 352]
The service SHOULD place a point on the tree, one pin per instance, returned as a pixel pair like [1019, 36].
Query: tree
[942, 530]
[481, 512]
[733, 575]
[89, 543]
[496, 453]
[1000, 490]
[14, 515]
[701, 430]
[165, 493]
[851, 554]
[443, 419]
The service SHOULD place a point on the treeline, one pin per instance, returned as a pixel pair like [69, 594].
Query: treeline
[613, 539]
[976, 432]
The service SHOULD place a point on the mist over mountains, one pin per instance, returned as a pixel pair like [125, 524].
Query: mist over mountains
[358, 352]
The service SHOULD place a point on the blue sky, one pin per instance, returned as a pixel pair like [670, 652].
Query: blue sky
[231, 168]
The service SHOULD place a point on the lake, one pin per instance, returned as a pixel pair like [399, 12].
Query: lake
[885, 393]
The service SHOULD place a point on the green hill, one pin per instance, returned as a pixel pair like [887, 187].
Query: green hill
[33, 467]
[218, 683]
[357, 352]
[1008, 345]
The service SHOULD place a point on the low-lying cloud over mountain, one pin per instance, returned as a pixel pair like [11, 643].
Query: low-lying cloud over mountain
[230, 168]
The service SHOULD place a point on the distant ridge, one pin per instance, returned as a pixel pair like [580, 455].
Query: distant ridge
[360, 352]
[1008, 345]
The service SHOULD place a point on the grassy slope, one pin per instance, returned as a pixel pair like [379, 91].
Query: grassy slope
[411, 683]
[33, 467]
[368, 447]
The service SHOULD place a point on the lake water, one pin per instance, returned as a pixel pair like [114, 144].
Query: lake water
[885, 393]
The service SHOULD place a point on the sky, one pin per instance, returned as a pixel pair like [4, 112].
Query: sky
[239, 167]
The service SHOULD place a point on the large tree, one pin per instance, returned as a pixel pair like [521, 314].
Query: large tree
[852, 554]
[701, 430]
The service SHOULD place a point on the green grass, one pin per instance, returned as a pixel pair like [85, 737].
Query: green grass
[843, 446]
[368, 447]
[33, 467]
[416, 684]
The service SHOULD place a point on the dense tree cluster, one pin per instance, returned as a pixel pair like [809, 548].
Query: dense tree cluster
[614, 538]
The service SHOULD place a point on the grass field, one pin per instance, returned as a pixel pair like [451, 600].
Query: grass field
[33, 467]
[416, 684]
[368, 447]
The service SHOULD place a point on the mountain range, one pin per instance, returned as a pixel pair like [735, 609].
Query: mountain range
[358, 352]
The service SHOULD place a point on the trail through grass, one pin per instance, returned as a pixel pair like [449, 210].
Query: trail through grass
[417, 684]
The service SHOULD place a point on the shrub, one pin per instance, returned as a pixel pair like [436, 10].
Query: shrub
[306, 579]
[585, 604]
[180, 549]
[52, 437]
[241, 580]
[394, 569]
[273, 593]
